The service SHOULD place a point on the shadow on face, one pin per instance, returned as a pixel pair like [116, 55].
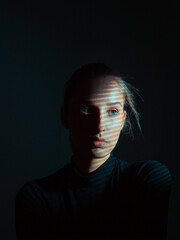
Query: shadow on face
[96, 110]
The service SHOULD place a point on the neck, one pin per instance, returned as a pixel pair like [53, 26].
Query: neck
[88, 166]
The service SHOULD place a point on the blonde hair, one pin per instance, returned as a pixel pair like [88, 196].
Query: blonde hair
[129, 92]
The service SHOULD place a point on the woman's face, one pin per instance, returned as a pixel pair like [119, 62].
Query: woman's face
[96, 110]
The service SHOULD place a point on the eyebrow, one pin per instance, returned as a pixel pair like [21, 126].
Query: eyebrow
[108, 104]
[114, 103]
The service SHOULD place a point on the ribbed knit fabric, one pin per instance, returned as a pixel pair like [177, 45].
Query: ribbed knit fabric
[120, 201]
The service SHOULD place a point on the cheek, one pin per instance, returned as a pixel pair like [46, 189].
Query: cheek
[121, 121]
[116, 122]
[115, 132]
[79, 129]
[77, 120]
[115, 127]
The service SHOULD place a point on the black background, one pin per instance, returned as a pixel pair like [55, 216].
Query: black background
[42, 44]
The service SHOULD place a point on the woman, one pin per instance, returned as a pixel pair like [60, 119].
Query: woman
[96, 195]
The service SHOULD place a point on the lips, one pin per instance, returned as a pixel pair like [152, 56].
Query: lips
[99, 139]
[98, 142]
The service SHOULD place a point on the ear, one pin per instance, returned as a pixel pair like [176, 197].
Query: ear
[64, 117]
[124, 119]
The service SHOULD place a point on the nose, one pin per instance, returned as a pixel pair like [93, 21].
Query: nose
[100, 123]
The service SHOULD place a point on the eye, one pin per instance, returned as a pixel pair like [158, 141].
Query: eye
[88, 110]
[113, 112]
[85, 110]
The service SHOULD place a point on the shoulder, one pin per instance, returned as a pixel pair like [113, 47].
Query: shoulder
[152, 178]
[147, 174]
[153, 173]
[41, 187]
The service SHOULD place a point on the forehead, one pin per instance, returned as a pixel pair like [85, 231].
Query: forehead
[99, 90]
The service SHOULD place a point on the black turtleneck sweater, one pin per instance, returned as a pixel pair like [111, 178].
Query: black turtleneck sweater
[120, 201]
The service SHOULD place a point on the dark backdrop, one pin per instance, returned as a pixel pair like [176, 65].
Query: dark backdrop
[42, 43]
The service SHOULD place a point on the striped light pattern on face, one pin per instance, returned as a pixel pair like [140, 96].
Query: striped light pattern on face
[97, 110]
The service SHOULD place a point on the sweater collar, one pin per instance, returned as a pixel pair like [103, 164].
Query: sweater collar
[102, 174]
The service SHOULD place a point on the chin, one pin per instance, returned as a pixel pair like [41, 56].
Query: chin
[98, 153]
